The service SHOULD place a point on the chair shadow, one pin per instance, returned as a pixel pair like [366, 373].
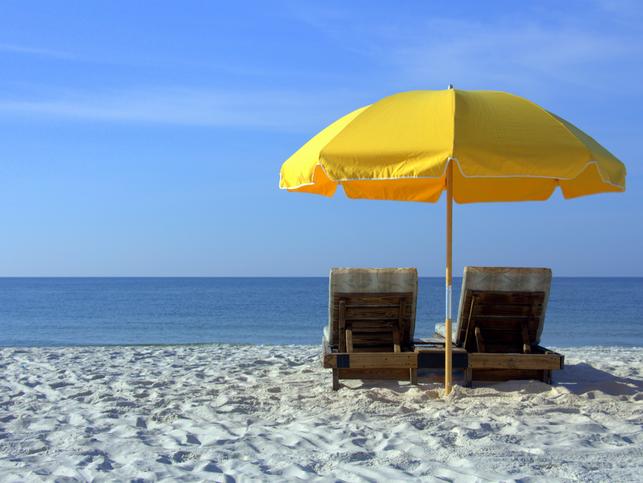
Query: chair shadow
[582, 378]
[430, 380]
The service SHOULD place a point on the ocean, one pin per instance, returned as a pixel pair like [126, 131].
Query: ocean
[99, 311]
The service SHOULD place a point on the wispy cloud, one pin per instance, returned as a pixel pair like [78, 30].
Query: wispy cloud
[529, 47]
[282, 110]
[27, 50]
[515, 54]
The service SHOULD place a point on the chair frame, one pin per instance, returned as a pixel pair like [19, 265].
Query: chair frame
[370, 338]
[374, 340]
[373, 337]
[508, 350]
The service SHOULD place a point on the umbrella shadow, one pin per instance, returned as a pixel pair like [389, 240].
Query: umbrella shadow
[583, 378]
[430, 380]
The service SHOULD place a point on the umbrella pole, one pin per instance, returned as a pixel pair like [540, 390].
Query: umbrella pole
[448, 284]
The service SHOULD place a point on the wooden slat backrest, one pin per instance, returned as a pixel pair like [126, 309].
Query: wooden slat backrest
[372, 318]
[501, 317]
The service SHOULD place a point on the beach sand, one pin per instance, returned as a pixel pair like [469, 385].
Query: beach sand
[224, 413]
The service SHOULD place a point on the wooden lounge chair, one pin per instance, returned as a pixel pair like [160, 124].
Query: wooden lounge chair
[371, 322]
[500, 321]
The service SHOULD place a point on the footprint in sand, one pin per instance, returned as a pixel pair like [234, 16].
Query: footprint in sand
[81, 395]
[91, 456]
[182, 456]
[191, 439]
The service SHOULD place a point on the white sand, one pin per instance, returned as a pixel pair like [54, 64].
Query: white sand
[229, 413]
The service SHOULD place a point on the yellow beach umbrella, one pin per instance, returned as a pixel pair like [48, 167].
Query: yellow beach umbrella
[475, 145]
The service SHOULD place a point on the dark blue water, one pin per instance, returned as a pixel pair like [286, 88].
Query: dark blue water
[73, 311]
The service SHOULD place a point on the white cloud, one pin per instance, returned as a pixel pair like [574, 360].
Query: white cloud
[529, 48]
[22, 49]
[284, 110]
[518, 53]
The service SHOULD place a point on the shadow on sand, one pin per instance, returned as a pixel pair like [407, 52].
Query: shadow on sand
[579, 379]
[583, 378]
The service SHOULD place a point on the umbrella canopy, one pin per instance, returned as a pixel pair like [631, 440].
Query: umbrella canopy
[503, 147]
[475, 145]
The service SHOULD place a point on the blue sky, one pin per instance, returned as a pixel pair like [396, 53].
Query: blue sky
[145, 138]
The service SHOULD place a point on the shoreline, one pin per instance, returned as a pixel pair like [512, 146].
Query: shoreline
[249, 344]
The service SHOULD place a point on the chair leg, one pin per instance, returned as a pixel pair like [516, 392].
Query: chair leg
[349, 340]
[396, 340]
[335, 379]
[479, 340]
[342, 326]
[526, 347]
[468, 377]
[413, 376]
